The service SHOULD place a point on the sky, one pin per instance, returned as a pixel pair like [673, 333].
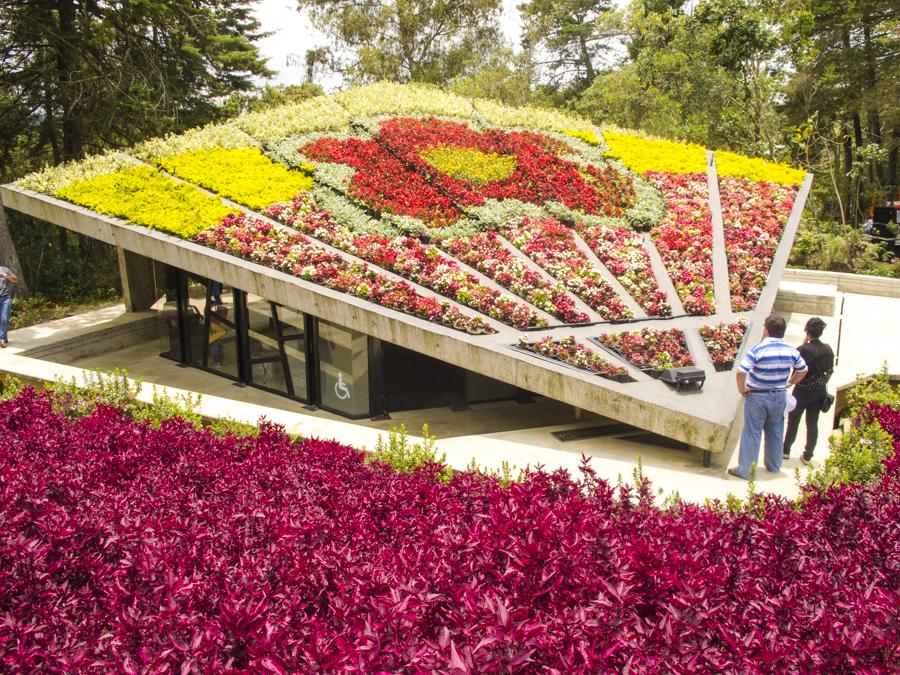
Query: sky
[293, 34]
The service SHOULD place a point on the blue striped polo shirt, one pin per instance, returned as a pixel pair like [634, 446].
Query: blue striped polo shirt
[769, 364]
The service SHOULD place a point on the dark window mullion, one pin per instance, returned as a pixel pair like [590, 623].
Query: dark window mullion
[279, 336]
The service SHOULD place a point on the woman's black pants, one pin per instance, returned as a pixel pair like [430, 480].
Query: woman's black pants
[812, 407]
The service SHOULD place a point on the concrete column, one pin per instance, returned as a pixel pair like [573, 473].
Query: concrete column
[138, 282]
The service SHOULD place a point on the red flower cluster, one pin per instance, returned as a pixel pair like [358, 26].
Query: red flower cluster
[684, 239]
[127, 549]
[723, 342]
[295, 254]
[410, 258]
[650, 349]
[487, 253]
[754, 215]
[392, 176]
[552, 246]
[622, 251]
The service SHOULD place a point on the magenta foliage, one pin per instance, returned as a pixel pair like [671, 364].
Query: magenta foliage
[128, 549]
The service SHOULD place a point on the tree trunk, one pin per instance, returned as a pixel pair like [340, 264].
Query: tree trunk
[66, 64]
[9, 258]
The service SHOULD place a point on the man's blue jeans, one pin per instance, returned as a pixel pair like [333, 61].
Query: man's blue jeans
[763, 412]
[5, 308]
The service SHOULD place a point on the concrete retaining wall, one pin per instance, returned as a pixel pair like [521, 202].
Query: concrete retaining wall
[129, 330]
[863, 284]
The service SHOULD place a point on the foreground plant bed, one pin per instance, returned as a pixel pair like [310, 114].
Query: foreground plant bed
[127, 549]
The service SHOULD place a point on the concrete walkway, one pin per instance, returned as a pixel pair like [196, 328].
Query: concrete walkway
[864, 334]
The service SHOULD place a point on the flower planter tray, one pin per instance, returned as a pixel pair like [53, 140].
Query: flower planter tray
[537, 354]
[650, 372]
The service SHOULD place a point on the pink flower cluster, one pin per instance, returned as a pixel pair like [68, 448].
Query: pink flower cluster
[649, 348]
[723, 342]
[569, 351]
[754, 215]
[684, 238]
[295, 254]
[128, 549]
[487, 253]
[552, 246]
[410, 258]
[622, 251]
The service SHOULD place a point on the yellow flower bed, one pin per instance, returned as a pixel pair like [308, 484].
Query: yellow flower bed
[388, 98]
[470, 164]
[203, 138]
[144, 196]
[732, 164]
[316, 114]
[243, 175]
[530, 118]
[645, 154]
[54, 178]
[588, 136]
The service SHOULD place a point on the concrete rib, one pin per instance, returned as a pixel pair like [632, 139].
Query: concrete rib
[719, 254]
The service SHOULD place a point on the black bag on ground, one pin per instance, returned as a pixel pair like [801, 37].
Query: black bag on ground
[827, 401]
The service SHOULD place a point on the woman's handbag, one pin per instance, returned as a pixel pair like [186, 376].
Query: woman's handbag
[827, 401]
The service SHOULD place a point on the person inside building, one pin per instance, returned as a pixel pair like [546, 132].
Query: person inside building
[810, 391]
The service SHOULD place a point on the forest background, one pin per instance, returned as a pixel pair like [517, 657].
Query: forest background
[815, 83]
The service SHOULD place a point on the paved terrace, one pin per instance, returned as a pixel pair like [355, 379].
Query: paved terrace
[864, 332]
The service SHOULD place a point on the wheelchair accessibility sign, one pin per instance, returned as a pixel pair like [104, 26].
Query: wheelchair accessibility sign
[341, 390]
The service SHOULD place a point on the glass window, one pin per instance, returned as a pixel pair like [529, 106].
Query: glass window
[293, 335]
[166, 308]
[277, 347]
[210, 322]
[343, 369]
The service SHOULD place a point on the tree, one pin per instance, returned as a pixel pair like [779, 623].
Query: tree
[504, 76]
[77, 76]
[846, 58]
[707, 73]
[408, 40]
[573, 38]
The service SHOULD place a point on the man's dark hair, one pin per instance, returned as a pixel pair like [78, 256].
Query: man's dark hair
[814, 327]
[775, 326]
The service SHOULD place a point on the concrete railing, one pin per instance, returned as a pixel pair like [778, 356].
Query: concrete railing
[864, 284]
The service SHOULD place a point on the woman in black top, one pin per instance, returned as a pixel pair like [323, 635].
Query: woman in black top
[810, 391]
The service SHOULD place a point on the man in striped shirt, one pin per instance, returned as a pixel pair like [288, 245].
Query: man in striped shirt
[763, 376]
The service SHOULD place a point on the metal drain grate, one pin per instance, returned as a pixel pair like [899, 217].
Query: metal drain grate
[591, 432]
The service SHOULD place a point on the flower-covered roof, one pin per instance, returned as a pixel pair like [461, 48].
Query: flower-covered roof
[608, 251]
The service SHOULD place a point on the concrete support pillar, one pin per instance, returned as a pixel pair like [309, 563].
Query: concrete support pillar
[138, 281]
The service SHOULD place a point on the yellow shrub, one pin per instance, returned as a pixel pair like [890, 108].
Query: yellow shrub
[644, 154]
[144, 196]
[732, 164]
[587, 136]
[470, 164]
[54, 178]
[243, 175]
